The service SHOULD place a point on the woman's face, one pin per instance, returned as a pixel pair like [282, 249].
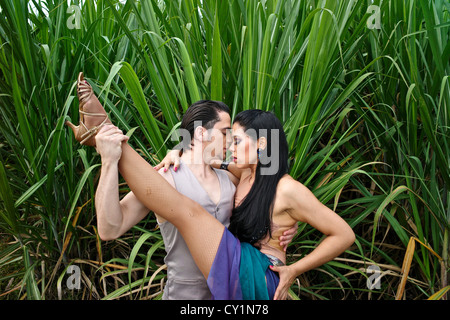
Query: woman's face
[244, 148]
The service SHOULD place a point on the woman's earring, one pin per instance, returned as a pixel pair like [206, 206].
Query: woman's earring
[259, 154]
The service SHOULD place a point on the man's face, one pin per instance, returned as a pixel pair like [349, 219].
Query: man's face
[218, 138]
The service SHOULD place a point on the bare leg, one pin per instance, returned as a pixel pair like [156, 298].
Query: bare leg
[201, 231]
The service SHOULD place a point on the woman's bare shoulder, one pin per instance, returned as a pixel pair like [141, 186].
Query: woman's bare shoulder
[293, 194]
[288, 186]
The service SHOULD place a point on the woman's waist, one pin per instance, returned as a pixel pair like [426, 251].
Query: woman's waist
[275, 256]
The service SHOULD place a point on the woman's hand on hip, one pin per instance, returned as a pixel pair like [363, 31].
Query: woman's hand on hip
[287, 276]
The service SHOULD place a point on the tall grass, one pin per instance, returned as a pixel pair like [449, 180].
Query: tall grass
[366, 112]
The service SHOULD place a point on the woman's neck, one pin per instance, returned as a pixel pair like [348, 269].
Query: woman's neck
[252, 173]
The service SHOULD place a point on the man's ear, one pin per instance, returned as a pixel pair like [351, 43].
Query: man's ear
[199, 133]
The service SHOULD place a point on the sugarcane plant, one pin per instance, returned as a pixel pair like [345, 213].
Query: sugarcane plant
[361, 86]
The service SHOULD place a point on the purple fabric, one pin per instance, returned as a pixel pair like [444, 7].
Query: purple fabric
[272, 282]
[223, 279]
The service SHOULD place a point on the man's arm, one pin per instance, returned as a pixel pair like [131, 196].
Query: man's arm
[114, 217]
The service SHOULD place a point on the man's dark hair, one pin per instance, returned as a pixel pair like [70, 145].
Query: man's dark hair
[204, 113]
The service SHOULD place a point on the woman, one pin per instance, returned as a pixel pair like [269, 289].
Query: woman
[231, 263]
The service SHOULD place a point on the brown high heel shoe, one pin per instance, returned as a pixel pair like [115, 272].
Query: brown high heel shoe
[88, 106]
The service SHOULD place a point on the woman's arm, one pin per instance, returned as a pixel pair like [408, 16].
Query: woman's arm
[173, 158]
[305, 207]
[232, 168]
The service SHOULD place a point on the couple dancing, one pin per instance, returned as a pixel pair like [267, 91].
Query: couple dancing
[229, 222]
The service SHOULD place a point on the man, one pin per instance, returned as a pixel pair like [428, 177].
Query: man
[204, 127]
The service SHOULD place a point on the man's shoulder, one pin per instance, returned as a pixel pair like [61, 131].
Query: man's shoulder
[228, 176]
[167, 176]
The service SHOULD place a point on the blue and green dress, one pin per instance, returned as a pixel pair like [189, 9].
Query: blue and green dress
[241, 272]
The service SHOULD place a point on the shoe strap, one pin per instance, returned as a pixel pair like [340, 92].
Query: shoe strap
[93, 114]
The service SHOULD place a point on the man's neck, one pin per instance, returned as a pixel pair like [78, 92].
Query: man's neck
[194, 160]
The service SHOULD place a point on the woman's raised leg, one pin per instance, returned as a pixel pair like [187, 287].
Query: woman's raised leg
[201, 231]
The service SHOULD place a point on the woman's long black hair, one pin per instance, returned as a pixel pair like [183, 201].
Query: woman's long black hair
[251, 220]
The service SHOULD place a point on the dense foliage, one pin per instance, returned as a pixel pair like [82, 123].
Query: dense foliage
[361, 87]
